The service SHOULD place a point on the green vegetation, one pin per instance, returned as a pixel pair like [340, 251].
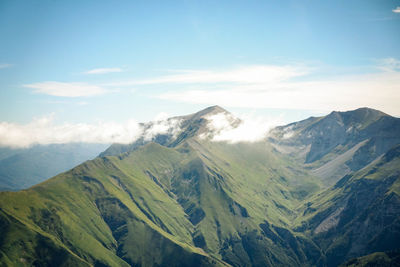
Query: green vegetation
[193, 202]
[196, 201]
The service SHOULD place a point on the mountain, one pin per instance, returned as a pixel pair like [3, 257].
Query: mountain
[21, 168]
[339, 143]
[180, 199]
[176, 130]
[360, 214]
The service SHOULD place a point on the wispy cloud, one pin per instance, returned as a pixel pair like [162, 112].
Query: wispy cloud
[246, 74]
[389, 64]
[66, 89]
[103, 70]
[396, 10]
[5, 65]
[380, 90]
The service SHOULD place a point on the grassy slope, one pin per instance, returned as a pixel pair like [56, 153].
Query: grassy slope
[268, 187]
[216, 189]
[162, 202]
[198, 203]
[66, 210]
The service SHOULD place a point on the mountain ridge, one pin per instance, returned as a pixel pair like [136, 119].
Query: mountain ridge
[188, 126]
[197, 202]
[317, 142]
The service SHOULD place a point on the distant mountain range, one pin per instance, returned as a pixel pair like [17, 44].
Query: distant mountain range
[21, 168]
[320, 192]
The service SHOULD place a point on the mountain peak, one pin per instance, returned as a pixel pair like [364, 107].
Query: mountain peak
[187, 127]
[210, 111]
[363, 116]
[362, 112]
[204, 113]
[214, 108]
[369, 112]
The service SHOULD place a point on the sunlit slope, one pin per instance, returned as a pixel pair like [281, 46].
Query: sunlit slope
[104, 211]
[198, 203]
[231, 191]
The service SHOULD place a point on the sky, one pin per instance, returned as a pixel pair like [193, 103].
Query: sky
[106, 64]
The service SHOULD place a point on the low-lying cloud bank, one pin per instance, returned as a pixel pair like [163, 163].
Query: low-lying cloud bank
[222, 127]
[166, 126]
[43, 131]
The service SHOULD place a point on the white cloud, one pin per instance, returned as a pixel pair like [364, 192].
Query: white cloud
[396, 10]
[5, 65]
[379, 90]
[166, 126]
[161, 116]
[43, 131]
[103, 70]
[66, 89]
[252, 128]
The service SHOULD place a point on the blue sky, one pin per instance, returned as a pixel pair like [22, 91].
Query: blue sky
[112, 61]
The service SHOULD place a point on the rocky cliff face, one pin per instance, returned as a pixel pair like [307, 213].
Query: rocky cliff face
[339, 143]
[360, 214]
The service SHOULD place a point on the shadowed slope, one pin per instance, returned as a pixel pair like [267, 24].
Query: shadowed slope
[360, 214]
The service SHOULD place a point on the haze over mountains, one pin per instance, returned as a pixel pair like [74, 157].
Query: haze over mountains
[318, 192]
[21, 168]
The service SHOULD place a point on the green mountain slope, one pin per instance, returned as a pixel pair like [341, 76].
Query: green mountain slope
[25, 167]
[184, 200]
[197, 202]
[104, 214]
